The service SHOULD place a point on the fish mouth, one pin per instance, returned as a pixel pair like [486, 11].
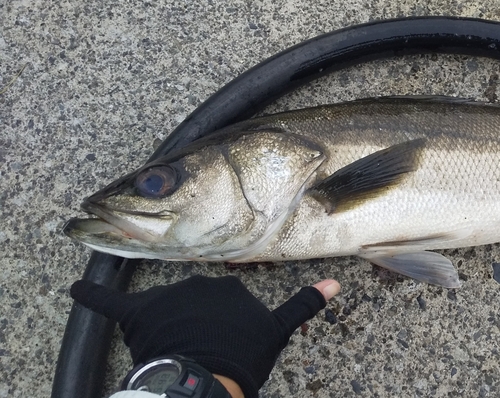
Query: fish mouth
[108, 221]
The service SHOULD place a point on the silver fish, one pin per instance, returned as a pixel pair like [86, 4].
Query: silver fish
[383, 179]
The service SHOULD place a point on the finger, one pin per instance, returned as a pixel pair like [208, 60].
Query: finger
[110, 303]
[298, 309]
[328, 288]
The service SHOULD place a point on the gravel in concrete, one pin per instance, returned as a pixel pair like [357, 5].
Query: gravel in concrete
[105, 79]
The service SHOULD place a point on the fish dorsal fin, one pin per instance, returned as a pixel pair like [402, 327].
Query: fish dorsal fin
[438, 99]
[368, 177]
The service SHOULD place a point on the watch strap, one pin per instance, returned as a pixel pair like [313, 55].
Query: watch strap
[133, 394]
[219, 391]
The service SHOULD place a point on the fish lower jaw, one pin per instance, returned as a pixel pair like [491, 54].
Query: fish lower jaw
[80, 229]
[131, 254]
[134, 254]
[118, 219]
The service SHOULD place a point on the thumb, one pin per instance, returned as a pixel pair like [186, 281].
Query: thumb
[110, 303]
[304, 305]
[328, 288]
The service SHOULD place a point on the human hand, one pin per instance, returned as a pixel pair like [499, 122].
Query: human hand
[215, 321]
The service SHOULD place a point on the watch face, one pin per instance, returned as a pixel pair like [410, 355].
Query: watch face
[157, 379]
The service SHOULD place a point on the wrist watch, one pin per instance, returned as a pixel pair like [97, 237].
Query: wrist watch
[174, 376]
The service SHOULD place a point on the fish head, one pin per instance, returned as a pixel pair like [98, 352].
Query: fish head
[217, 199]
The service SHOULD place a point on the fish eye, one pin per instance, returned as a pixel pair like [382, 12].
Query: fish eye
[157, 182]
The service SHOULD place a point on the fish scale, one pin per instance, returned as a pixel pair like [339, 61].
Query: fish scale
[385, 179]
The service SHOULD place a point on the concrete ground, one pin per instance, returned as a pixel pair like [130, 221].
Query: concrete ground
[105, 79]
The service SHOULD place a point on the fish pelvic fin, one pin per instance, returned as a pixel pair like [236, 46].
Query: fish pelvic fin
[368, 177]
[424, 266]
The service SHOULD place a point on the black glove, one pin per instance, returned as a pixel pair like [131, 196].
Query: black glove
[215, 321]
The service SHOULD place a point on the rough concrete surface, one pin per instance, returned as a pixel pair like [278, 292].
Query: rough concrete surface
[105, 79]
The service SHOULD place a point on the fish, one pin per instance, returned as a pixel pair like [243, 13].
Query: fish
[387, 179]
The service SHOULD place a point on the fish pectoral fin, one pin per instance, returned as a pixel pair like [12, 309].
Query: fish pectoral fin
[424, 266]
[368, 177]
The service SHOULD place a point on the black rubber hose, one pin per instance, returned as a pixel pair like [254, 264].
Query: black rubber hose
[82, 359]
[81, 365]
[250, 92]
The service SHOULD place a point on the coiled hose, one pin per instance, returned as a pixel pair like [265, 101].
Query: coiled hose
[82, 359]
